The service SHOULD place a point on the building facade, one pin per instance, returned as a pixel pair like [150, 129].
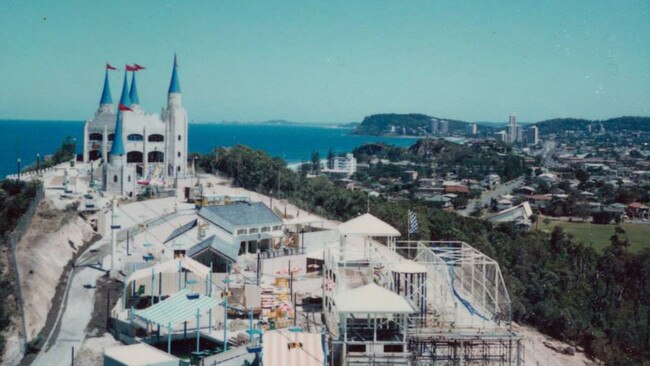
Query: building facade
[133, 147]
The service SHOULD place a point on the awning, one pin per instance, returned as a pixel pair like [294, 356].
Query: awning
[372, 298]
[367, 225]
[176, 309]
[186, 263]
[308, 350]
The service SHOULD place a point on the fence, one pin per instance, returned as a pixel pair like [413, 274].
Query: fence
[12, 240]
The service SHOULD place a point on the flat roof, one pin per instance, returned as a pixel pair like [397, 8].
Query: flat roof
[371, 298]
[139, 354]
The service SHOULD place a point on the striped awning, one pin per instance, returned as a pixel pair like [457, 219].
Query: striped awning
[306, 350]
[176, 309]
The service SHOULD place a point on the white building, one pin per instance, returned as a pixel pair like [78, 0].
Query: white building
[532, 135]
[135, 146]
[501, 136]
[342, 165]
[472, 129]
[439, 127]
[512, 129]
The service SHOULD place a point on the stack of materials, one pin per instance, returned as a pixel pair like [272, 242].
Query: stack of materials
[268, 300]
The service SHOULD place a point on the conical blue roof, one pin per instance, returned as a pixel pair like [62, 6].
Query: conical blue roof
[133, 94]
[124, 99]
[174, 84]
[117, 149]
[106, 93]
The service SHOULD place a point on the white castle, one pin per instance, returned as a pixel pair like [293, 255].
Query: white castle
[142, 148]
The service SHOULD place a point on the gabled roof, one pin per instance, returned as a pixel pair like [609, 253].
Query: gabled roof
[174, 265]
[240, 214]
[181, 230]
[371, 298]
[217, 244]
[106, 92]
[367, 225]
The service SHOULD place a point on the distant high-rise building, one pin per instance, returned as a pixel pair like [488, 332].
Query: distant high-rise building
[501, 136]
[512, 129]
[472, 129]
[520, 134]
[532, 135]
[439, 127]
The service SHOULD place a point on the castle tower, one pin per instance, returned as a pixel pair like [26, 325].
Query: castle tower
[133, 95]
[175, 118]
[117, 174]
[106, 102]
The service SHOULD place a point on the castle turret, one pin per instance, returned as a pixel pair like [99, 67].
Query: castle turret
[106, 102]
[175, 119]
[174, 92]
[124, 98]
[133, 94]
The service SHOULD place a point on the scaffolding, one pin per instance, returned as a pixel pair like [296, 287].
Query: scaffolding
[462, 310]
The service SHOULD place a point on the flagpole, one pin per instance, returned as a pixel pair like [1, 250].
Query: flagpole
[408, 225]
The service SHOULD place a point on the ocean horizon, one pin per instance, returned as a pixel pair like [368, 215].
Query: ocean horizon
[294, 142]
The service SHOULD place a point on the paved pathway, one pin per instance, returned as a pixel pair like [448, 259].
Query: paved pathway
[488, 195]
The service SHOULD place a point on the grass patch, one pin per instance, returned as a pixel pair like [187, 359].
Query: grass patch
[597, 236]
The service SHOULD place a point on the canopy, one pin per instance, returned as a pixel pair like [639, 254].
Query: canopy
[408, 266]
[176, 309]
[277, 352]
[139, 354]
[367, 225]
[171, 266]
[371, 298]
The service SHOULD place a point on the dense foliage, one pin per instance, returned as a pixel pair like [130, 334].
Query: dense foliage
[561, 125]
[66, 152]
[560, 286]
[15, 198]
[412, 124]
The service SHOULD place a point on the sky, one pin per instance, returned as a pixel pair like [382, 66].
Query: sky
[331, 61]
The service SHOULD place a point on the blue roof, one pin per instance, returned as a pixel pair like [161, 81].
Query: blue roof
[174, 84]
[117, 149]
[124, 99]
[133, 94]
[228, 250]
[181, 230]
[240, 214]
[106, 93]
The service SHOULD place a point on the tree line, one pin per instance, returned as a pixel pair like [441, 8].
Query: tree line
[600, 302]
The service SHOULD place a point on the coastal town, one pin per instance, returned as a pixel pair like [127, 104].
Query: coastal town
[148, 257]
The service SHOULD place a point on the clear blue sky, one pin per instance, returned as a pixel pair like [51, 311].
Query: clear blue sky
[332, 61]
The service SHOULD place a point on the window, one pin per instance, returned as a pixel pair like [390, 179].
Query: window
[156, 138]
[134, 137]
[115, 179]
[390, 348]
[128, 179]
[95, 136]
[356, 348]
[178, 168]
[276, 228]
[266, 229]
[179, 137]
[179, 154]
[252, 230]
[111, 136]
[241, 231]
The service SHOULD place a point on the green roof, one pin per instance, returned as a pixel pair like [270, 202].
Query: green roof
[176, 309]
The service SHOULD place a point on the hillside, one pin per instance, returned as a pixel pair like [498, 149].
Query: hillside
[613, 124]
[413, 124]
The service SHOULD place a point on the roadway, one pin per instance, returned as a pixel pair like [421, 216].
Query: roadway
[487, 196]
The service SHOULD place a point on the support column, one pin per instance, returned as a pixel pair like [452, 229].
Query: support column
[169, 338]
[105, 145]
[198, 331]
[86, 143]
[145, 154]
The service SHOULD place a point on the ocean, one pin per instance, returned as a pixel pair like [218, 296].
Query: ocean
[24, 139]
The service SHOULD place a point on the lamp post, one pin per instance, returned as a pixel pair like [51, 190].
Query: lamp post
[38, 161]
[18, 167]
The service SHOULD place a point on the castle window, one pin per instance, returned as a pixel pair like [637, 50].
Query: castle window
[115, 179]
[179, 154]
[179, 137]
[156, 138]
[178, 168]
[128, 179]
[155, 157]
[111, 136]
[134, 157]
[95, 136]
[134, 137]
